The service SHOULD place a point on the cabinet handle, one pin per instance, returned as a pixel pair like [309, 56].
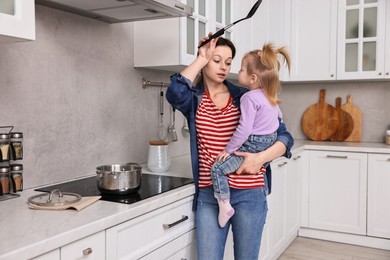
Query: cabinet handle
[387, 73]
[331, 75]
[388, 159]
[296, 158]
[87, 251]
[380, 73]
[281, 164]
[167, 226]
[337, 156]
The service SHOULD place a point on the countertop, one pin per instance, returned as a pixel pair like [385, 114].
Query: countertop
[28, 233]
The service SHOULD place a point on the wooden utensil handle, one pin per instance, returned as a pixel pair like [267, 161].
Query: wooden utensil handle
[322, 95]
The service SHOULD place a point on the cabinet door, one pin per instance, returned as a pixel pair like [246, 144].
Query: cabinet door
[387, 48]
[361, 39]
[337, 195]
[140, 236]
[183, 247]
[91, 247]
[378, 223]
[17, 20]
[313, 40]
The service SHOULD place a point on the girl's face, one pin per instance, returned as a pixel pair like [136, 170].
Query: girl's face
[244, 78]
[219, 65]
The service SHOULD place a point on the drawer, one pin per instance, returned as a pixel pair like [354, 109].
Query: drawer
[183, 247]
[140, 236]
[91, 247]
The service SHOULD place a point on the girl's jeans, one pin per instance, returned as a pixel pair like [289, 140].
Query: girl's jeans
[247, 223]
[219, 170]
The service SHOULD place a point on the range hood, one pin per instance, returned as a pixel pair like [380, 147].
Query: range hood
[118, 11]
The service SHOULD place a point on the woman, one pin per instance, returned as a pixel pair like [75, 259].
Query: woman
[212, 111]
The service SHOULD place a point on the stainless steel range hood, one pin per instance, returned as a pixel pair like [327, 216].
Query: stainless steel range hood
[118, 11]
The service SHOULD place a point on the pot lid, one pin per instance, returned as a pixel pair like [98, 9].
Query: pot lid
[54, 198]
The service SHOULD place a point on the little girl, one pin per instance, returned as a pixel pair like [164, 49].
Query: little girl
[258, 121]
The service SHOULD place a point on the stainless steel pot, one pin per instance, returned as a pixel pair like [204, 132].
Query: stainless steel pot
[119, 179]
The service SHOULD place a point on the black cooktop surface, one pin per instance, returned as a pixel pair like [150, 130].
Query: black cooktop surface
[151, 185]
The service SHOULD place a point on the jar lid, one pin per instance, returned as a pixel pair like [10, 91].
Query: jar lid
[16, 167]
[4, 169]
[16, 135]
[4, 136]
[387, 132]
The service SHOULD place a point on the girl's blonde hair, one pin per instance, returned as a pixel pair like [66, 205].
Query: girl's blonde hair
[265, 65]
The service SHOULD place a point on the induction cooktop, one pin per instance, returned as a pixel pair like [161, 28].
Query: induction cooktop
[151, 185]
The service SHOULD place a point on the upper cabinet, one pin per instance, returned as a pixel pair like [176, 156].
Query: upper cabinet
[340, 39]
[172, 44]
[17, 20]
[362, 39]
[313, 40]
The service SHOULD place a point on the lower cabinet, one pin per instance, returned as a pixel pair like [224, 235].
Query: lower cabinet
[378, 213]
[151, 232]
[337, 191]
[91, 247]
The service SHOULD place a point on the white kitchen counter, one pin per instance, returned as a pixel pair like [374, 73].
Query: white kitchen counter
[27, 233]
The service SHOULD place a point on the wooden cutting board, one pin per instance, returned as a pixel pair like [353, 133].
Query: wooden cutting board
[356, 114]
[320, 121]
[346, 123]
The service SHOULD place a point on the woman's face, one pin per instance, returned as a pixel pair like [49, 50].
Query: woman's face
[219, 65]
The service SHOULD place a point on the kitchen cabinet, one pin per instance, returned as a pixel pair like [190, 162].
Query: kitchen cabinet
[17, 20]
[91, 247]
[378, 212]
[172, 44]
[362, 40]
[162, 226]
[337, 191]
[313, 40]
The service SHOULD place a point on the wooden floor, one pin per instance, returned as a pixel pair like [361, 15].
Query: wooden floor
[313, 249]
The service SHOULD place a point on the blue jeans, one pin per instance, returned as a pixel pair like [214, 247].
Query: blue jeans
[247, 223]
[219, 170]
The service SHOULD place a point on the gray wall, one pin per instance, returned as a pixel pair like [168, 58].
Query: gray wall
[75, 95]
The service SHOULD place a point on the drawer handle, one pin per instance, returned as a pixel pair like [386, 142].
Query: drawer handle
[167, 226]
[281, 164]
[337, 156]
[87, 251]
[296, 158]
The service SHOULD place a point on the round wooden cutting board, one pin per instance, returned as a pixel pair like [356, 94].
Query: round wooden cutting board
[345, 124]
[320, 121]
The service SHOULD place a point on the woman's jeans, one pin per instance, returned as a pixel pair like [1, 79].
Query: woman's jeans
[219, 170]
[247, 223]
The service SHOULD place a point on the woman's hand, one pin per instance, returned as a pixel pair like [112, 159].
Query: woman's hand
[252, 162]
[207, 50]
[222, 156]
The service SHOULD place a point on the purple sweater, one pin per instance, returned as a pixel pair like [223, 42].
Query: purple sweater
[258, 117]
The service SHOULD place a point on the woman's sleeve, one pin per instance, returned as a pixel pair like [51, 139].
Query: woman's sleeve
[285, 137]
[178, 92]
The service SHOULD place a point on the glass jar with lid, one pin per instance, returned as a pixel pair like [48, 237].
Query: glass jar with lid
[16, 146]
[16, 176]
[4, 147]
[4, 180]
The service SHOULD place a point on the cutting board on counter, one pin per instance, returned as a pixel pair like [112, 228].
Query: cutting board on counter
[356, 114]
[320, 121]
[346, 123]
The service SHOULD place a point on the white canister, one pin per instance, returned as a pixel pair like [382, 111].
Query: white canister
[158, 158]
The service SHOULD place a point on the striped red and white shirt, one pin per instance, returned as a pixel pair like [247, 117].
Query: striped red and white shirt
[214, 128]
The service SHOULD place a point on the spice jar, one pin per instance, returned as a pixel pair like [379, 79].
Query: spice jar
[4, 147]
[16, 174]
[16, 146]
[4, 180]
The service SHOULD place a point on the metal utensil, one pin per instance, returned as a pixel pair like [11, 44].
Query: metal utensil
[161, 130]
[222, 31]
[171, 128]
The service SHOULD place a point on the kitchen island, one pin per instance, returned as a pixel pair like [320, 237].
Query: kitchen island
[28, 233]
